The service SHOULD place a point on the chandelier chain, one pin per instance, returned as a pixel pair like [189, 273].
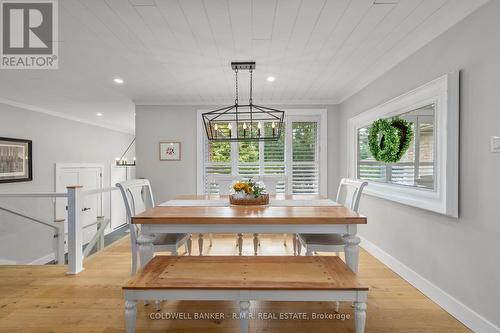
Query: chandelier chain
[251, 87]
[236, 75]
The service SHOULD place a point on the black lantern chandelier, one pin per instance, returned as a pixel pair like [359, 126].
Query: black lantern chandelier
[247, 122]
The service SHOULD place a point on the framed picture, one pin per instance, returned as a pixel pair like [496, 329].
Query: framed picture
[15, 160]
[170, 151]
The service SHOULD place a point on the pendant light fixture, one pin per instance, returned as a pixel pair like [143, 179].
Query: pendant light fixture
[243, 122]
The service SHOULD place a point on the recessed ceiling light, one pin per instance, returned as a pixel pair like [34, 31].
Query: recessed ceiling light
[270, 79]
[118, 80]
[98, 114]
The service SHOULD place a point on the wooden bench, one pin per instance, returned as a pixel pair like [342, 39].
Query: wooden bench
[246, 279]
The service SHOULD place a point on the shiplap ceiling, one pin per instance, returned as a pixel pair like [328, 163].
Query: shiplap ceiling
[178, 52]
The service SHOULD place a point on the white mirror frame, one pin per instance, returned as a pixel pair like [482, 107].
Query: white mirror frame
[444, 93]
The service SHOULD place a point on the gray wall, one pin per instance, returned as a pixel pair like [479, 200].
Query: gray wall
[55, 140]
[459, 256]
[178, 123]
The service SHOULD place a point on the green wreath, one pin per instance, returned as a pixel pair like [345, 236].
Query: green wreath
[389, 139]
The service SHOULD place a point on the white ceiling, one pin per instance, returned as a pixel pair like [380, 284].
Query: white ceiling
[178, 52]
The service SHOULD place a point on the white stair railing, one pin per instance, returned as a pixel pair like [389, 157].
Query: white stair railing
[57, 226]
[75, 195]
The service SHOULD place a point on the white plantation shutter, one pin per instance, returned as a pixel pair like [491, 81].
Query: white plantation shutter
[295, 155]
[305, 158]
[248, 160]
[217, 161]
[274, 157]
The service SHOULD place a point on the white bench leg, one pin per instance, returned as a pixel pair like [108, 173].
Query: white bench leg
[359, 316]
[130, 316]
[244, 313]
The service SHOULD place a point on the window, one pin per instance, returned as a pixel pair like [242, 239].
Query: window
[296, 155]
[416, 167]
[427, 175]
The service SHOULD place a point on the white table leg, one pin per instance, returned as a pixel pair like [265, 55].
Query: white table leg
[240, 244]
[255, 243]
[189, 244]
[359, 316]
[298, 244]
[244, 313]
[351, 249]
[130, 316]
[146, 251]
[200, 243]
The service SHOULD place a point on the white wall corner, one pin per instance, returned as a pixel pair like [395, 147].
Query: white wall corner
[454, 307]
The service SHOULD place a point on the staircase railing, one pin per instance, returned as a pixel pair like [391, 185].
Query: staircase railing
[75, 196]
[57, 226]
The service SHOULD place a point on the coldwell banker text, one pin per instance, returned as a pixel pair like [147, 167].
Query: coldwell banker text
[29, 34]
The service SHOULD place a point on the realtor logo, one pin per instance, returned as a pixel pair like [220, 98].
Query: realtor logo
[29, 34]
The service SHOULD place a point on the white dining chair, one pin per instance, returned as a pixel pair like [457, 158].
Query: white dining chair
[348, 194]
[224, 183]
[138, 196]
[271, 182]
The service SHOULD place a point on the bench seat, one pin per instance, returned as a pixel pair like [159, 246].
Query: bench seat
[245, 279]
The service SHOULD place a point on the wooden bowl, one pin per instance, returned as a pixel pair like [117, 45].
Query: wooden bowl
[262, 200]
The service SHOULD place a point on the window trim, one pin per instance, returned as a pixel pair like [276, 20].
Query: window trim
[298, 115]
[444, 93]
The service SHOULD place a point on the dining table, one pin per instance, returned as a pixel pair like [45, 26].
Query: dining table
[285, 214]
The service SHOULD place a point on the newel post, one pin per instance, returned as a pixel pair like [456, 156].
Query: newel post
[75, 231]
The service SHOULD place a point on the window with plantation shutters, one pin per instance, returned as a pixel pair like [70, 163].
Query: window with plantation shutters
[217, 161]
[295, 155]
[305, 166]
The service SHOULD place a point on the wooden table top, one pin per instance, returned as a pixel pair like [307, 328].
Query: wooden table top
[246, 273]
[249, 214]
[271, 196]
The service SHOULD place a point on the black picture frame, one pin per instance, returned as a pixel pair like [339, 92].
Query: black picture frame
[27, 165]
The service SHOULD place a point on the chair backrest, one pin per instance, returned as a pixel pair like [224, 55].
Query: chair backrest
[224, 182]
[137, 196]
[271, 182]
[349, 193]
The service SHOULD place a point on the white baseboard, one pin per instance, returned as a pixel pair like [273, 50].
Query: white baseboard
[460, 311]
[43, 260]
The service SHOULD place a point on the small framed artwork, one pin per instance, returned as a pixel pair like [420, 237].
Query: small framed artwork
[15, 160]
[170, 151]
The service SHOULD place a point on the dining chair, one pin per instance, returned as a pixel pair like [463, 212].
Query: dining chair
[224, 184]
[138, 196]
[271, 182]
[348, 194]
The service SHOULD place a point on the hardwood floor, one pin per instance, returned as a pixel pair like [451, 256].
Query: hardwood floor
[43, 299]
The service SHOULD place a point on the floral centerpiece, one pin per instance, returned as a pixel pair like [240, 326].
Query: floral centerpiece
[249, 193]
